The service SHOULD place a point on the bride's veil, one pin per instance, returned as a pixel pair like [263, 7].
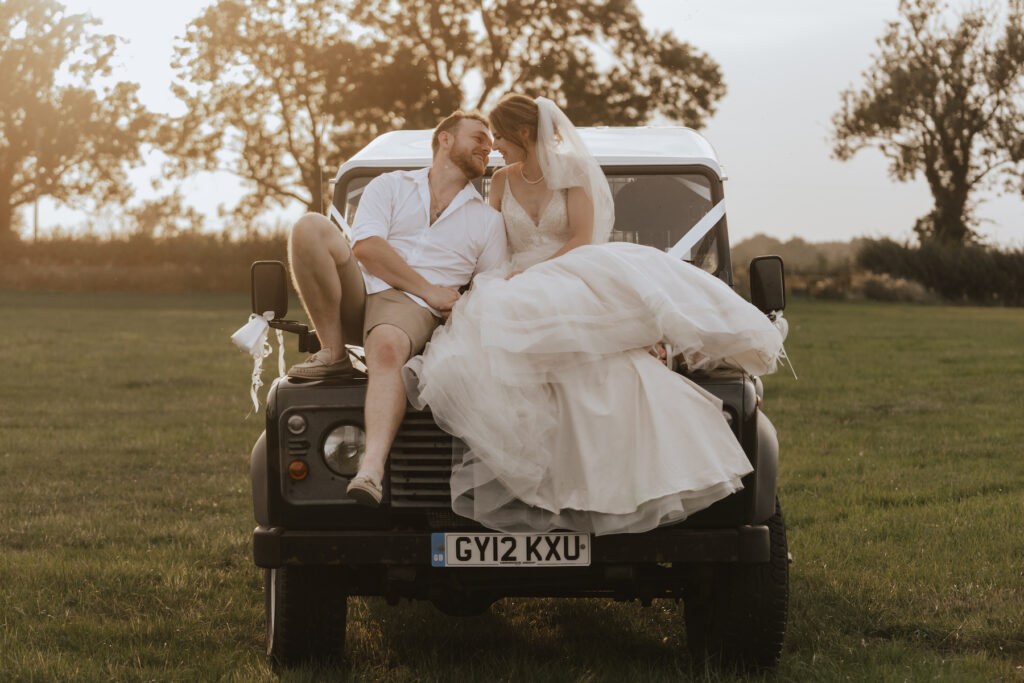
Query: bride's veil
[566, 163]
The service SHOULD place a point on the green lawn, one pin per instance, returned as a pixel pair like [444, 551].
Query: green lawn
[125, 535]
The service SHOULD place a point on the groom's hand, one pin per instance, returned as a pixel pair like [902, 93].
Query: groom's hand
[441, 298]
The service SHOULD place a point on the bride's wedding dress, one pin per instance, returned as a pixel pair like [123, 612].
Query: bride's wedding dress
[569, 422]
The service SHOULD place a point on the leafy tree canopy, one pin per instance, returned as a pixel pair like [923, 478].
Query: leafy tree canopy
[280, 92]
[164, 217]
[946, 101]
[60, 136]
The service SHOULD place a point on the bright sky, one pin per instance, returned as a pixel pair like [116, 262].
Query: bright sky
[784, 62]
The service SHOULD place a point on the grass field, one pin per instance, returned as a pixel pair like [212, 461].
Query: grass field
[125, 536]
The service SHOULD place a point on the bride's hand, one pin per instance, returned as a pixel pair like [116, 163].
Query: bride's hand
[512, 274]
[660, 352]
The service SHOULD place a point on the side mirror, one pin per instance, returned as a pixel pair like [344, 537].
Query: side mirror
[269, 288]
[768, 283]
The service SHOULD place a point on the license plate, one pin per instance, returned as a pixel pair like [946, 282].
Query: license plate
[510, 550]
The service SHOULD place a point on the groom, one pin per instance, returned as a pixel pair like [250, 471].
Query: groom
[418, 236]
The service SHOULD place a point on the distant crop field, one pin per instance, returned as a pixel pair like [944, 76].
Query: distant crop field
[126, 520]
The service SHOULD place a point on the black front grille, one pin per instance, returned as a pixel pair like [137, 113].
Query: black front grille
[421, 465]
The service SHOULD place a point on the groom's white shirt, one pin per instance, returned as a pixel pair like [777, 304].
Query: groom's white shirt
[467, 239]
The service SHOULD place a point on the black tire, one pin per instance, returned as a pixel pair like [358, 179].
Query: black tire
[737, 620]
[306, 609]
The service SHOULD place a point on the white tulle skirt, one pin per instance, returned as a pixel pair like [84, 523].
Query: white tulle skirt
[569, 422]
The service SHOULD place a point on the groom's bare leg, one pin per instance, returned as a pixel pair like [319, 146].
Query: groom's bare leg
[317, 251]
[387, 349]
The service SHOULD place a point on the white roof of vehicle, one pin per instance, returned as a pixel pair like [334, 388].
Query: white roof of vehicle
[637, 146]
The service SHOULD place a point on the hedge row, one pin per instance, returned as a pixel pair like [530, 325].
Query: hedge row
[183, 263]
[968, 273]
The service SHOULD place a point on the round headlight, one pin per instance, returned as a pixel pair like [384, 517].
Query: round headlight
[343, 449]
[296, 424]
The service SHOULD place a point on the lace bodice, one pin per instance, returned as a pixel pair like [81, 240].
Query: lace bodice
[532, 242]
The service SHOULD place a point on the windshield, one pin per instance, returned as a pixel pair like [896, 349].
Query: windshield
[653, 209]
[658, 210]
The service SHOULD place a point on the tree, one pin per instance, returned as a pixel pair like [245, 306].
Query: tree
[164, 217]
[545, 47]
[279, 92]
[59, 136]
[271, 89]
[945, 101]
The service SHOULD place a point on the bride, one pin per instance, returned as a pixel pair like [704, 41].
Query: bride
[544, 371]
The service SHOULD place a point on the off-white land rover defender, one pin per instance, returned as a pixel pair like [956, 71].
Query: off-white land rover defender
[726, 565]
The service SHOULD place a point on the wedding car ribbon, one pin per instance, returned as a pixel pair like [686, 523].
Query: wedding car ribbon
[252, 339]
[782, 325]
[698, 231]
[342, 223]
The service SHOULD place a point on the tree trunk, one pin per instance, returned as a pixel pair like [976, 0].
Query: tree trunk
[6, 213]
[946, 172]
[6, 233]
[949, 217]
[313, 181]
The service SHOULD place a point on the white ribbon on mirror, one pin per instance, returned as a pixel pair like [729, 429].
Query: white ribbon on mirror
[252, 339]
[782, 325]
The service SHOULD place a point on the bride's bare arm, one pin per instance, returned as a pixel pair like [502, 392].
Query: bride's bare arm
[498, 181]
[581, 220]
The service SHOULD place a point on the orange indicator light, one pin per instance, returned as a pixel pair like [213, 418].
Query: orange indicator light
[297, 470]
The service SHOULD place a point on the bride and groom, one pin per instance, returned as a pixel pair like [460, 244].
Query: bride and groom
[542, 369]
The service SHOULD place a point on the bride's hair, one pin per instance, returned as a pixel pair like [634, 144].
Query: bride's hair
[512, 114]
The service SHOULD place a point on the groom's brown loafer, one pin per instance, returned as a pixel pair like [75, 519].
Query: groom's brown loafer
[321, 366]
[365, 491]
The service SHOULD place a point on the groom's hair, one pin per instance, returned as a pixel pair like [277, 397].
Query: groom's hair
[450, 123]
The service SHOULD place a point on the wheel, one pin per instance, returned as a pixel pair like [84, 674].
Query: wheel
[737, 620]
[306, 609]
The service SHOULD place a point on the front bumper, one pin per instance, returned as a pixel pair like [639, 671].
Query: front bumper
[277, 547]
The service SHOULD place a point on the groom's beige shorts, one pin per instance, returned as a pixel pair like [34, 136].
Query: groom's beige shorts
[361, 312]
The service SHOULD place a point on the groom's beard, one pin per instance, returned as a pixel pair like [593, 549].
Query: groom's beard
[471, 166]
